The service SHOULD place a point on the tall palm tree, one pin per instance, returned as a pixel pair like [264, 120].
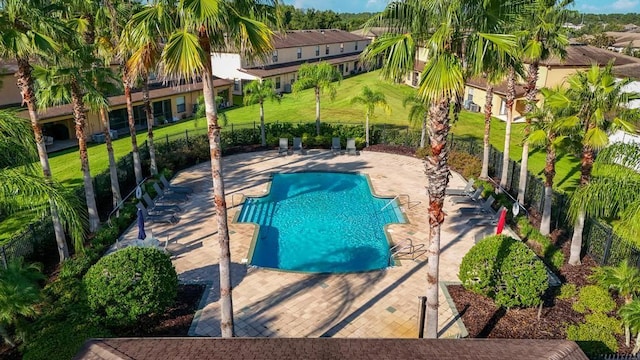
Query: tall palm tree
[370, 99]
[25, 29]
[550, 130]
[203, 26]
[630, 314]
[418, 112]
[256, 92]
[441, 27]
[511, 95]
[542, 37]
[323, 78]
[596, 97]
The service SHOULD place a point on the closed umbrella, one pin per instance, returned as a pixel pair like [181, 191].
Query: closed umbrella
[141, 234]
[501, 221]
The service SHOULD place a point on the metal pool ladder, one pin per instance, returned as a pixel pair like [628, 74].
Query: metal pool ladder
[397, 197]
[406, 248]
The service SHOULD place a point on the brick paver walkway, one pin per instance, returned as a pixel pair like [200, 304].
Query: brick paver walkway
[378, 304]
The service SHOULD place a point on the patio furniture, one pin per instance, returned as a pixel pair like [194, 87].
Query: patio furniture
[173, 188]
[335, 145]
[484, 208]
[351, 147]
[468, 189]
[157, 217]
[153, 207]
[284, 146]
[468, 199]
[297, 146]
[168, 197]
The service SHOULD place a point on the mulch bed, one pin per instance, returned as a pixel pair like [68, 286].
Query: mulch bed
[392, 149]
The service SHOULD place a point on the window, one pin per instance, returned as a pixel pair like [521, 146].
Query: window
[470, 95]
[180, 105]
[341, 47]
[275, 56]
[326, 50]
[414, 81]
[317, 50]
[356, 45]
[341, 68]
[236, 85]
[346, 68]
[503, 107]
[299, 53]
[278, 82]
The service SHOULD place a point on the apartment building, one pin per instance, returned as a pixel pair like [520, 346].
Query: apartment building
[169, 103]
[292, 49]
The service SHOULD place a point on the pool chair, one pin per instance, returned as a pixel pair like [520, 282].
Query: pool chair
[351, 147]
[335, 145]
[284, 146]
[168, 197]
[484, 208]
[153, 207]
[172, 188]
[468, 199]
[297, 146]
[492, 219]
[468, 189]
[157, 217]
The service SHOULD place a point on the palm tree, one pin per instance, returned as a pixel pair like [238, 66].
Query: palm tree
[441, 28]
[550, 131]
[21, 186]
[598, 100]
[542, 37]
[322, 77]
[204, 25]
[511, 95]
[370, 99]
[25, 29]
[419, 111]
[630, 314]
[256, 92]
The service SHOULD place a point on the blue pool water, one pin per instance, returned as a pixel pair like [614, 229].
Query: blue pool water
[320, 222]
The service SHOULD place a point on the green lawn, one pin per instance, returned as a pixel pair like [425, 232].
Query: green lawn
[300, 107]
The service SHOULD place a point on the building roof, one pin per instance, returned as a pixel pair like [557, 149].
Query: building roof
[327, 348]
[119, 100]
[299, 38]
[622, 39]
[579, 55]
[499, 89]
[631, 71]
[371, 32]
[8, 67]
[278, 69]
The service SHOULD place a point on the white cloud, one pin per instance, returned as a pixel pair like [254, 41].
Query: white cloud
[590, 8]
[625, 5]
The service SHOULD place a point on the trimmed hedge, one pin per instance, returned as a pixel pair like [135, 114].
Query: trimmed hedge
[505, 270]
[594, 298]
[552, 255]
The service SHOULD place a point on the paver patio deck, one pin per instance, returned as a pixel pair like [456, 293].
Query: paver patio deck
[377, 304]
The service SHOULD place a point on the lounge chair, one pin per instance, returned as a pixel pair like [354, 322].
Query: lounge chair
[297, 146]
[168, 197]
[157, 217]
[468, 189]
[487, 220]
[172, 188]
[351, 147]
[468, 199]
[284, 146]
[153, 207]
[335, 145]
[484, 208]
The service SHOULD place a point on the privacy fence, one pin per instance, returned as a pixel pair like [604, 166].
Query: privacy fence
[185, 148]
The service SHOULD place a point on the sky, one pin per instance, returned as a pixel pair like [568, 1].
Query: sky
[356, 6]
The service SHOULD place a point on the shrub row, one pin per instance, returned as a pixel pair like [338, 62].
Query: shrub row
[551, 255]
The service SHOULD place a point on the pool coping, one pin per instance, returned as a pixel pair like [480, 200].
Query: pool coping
[454, 311]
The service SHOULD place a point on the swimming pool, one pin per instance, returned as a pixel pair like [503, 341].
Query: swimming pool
[320, 222]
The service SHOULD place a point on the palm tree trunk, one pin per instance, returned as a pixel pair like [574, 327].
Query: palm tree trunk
[317, 111]
[586, 165]
[530, 93]
[137, 166]
[25, 84]
[147, 109]
[80, 118]
[511, 94]
[226, 304]
[457, 107]
[438, 177]
[366, 128]
[423, 134]
[263, 135]
[113, 169]
[549, 173]
[484, 173]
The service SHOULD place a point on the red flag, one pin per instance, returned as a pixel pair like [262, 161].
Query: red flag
[501, 221]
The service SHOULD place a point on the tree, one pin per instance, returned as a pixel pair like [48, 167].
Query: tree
[202, 26]
[322, 77]
[256, 92]
[550, 131]
[419, 111]
[370, 99]
[630, 314]
[440, 27]
[596, 97]
[25, 29]
[542, 37]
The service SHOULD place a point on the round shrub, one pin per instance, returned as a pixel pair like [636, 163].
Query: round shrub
[130, 283]
[505, 270]
[594, 298]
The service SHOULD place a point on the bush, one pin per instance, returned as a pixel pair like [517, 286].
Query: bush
[423, 152]
[595, 299]
[547, 250]
[130, 283]
[596, 335]
[505, 270]
[467, 165]
[568, 291]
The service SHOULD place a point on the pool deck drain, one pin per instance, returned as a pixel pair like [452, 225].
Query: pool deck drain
[287, 304]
